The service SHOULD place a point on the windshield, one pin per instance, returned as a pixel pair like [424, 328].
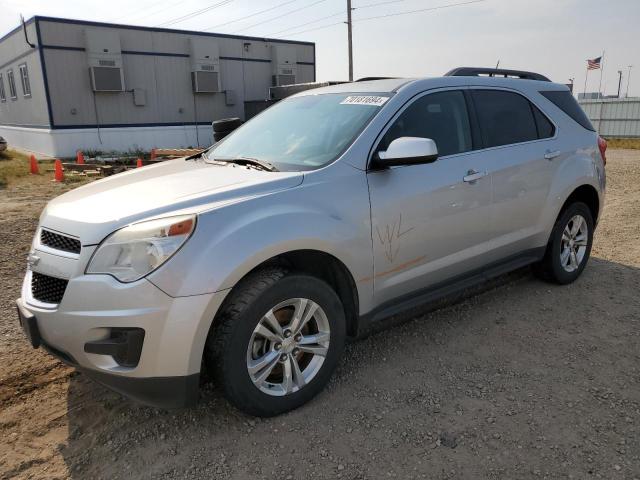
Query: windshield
[301, 133]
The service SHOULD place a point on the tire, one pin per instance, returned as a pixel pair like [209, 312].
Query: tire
[226, 124]
[234, 346]
[553, 267]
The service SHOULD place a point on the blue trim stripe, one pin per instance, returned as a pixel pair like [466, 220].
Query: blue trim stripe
[62, 47]
[130, 125]
[167, 54]
[155, 54]
[166, 30]
[245, 59]
[22, 125]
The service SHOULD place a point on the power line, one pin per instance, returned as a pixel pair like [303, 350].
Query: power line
[381, 16]
[369, 5]
[280, 16]
[420, 10]
[251, 15]
[308, 23]
[194, 14]
[316, 28]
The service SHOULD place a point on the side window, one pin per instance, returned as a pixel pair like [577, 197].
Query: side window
[441, 117]
[12, 85]
[504, 117]
[3, 96]
[545, 127]
[24, 78]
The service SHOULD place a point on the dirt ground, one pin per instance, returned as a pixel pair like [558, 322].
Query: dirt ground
[525, 380]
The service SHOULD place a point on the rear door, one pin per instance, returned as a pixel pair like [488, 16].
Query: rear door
[429, 223]
[521, 152]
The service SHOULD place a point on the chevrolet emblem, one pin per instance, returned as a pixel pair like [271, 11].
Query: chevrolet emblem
[32, 259]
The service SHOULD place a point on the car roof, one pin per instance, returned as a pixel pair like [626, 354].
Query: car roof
[386, 85]
[391, 85]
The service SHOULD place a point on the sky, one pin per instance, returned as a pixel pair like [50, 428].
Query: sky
[552, 37]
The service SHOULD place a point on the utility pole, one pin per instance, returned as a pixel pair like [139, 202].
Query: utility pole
[619, 81]
[350, 35]
[628, 80]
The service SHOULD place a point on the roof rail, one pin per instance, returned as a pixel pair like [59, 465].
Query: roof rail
[495, 72]
[366, 79]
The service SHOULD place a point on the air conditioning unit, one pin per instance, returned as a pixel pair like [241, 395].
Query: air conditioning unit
[284, 65]
[105, 60]
[205, 65]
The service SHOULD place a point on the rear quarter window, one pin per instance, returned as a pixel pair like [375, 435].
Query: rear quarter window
[545, 127]
[565, 102]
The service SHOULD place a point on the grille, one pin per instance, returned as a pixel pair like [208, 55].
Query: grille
[47, 289]
[59, 242]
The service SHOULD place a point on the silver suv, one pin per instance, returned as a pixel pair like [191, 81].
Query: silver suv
[325, 214]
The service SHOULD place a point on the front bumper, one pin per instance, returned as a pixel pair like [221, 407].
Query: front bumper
[175, 330]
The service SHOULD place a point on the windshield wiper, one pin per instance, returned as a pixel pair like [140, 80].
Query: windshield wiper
[247, 161]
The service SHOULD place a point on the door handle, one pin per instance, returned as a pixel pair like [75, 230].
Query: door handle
[551, 155]
[473, 175]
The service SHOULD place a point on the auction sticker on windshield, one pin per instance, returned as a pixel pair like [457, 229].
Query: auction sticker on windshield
[373, 100]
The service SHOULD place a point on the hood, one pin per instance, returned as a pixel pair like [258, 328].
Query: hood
[93, 211]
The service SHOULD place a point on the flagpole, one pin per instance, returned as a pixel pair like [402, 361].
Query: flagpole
[585, 81]
[601, 72]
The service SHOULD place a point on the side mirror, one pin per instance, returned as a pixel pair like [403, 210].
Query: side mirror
[407, 151]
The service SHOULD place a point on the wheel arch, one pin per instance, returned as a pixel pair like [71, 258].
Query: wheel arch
[586, 194]
[319, 264]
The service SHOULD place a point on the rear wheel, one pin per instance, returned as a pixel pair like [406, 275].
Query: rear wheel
[569, 246]
[277, 341]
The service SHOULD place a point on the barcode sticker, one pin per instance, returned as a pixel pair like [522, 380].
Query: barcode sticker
[373, 100]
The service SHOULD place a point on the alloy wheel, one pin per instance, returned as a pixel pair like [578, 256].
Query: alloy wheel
[288, 347]
[574, 242]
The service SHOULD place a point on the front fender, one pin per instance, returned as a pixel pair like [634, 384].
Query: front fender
[327, 213]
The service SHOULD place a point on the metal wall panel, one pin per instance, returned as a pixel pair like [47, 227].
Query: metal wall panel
[157, 62]
[614, 117]
[24, 111]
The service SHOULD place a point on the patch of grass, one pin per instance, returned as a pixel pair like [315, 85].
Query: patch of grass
[12, 166]
[629, 143]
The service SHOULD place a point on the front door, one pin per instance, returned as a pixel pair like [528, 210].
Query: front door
[430, 222]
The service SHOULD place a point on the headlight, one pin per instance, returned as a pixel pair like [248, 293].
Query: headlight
[137, 250]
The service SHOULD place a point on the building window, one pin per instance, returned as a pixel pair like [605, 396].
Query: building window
[12, 85]
[3, 96]
[24, 78]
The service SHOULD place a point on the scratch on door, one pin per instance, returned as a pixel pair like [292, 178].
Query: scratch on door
[389, 238]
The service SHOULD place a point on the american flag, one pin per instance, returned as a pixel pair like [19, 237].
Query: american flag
[594, 64]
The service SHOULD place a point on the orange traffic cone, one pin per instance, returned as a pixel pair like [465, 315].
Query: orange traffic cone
[139, 163]
[153, 154]
[58, 175]
[80, 157]
[34, 165]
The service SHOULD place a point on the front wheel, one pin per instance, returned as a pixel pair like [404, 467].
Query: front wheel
[569, 246]
[277, 341]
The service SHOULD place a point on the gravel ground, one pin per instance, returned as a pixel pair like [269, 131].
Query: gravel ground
[524, 380]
